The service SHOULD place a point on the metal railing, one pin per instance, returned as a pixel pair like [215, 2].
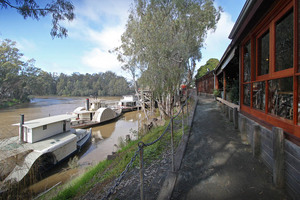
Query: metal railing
[140, 150]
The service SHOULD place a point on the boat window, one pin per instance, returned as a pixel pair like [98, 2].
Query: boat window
[44, 127]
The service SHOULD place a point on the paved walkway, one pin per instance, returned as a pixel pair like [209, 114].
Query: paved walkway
[217, 165]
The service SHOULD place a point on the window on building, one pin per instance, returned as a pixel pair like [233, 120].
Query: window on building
[280, 95]
[284, 42]
[258, 98]
[247, 62]
[44, 127]
[247, 94]
[263, 54]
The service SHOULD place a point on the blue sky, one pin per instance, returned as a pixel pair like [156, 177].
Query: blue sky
[96, 29]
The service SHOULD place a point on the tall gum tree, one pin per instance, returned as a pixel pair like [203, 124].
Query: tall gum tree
[162, 40]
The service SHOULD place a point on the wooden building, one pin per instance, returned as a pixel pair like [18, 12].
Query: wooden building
[206, 83]
[264, 57]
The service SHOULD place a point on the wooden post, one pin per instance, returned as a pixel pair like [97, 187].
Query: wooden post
[278, 152]
[256, 148]
[230, 113]
[226, 110]
[141, 172]
[21, 131]
[172, 144]
[235, 118]
[243, 129]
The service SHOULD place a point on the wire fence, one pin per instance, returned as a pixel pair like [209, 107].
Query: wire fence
[140, 150]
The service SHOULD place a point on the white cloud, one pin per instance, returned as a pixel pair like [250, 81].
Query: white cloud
[99, 24]
[26, 45]
[108, 38]
[217, 42]
[101, 61]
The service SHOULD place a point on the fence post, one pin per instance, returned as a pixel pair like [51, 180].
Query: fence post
[187, 110]
[278, 151]
[172, 144]
[235, 118]
[141, 147]
[182, 121]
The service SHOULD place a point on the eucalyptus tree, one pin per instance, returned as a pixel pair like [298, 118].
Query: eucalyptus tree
[162, 41]
[59, 10]
[10, 66]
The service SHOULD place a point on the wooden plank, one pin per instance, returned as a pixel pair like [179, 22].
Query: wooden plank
[231, 105]
[293, 185]
[293, 161]
[266, 140]
[266, 148]
[267, 160]
[292, 149]
[278, 152]
[292, 172]
[267, 151]
[267, 133]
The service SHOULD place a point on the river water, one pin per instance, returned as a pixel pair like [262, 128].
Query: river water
[105, 138]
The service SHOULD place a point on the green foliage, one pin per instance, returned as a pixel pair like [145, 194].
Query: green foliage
[217, 93]
[19, 80]
[232, 89]
[106, 170]
[163, 41]
[59, 10]
[210, 65]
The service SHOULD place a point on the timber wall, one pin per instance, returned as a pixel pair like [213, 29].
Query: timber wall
[264, 147]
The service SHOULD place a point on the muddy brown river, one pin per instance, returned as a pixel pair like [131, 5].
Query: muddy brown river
[105, 138]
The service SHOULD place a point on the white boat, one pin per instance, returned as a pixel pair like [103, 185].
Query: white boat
[100, 116]
[93, 114]
[129, 103]
[43, 142]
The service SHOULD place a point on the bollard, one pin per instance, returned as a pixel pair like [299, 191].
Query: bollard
[235, 118]
[141, 147]
[256, 142]
[278, 151]
[21, 131]
[230, 114]
[172, 145]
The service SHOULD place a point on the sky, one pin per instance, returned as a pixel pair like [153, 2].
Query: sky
[96, 29]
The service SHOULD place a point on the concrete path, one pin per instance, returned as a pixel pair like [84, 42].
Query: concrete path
[217, 165]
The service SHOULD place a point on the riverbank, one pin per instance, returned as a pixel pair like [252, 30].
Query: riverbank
[10, 103]
[96, 182]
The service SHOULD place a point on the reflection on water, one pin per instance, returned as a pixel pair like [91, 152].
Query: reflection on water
[105, 138]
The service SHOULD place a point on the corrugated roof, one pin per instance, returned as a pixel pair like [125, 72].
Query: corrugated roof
[44, 121]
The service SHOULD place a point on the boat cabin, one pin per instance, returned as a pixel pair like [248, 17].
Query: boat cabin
[40, 129]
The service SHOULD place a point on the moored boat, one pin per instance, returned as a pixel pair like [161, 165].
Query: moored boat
[100, 116]
[129, 103]
[43, 142]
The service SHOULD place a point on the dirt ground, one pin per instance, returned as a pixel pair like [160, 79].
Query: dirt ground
[216, 165]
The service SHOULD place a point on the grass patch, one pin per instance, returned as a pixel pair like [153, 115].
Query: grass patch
[107, 171]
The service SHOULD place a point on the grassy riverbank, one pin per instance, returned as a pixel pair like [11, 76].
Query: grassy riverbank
[6, 104]
[108, 170]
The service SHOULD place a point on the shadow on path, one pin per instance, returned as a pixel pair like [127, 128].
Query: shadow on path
[217, 165]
